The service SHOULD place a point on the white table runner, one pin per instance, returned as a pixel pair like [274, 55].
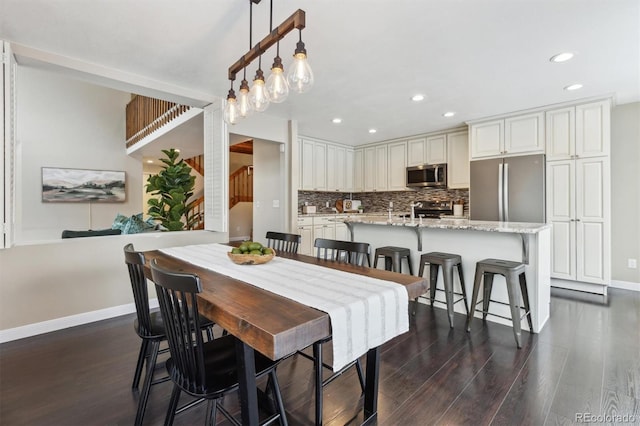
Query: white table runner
[365, 312]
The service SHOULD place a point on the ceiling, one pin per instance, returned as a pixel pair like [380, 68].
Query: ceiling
[476, 57]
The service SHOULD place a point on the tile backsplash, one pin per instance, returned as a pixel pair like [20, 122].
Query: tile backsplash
[378, 202]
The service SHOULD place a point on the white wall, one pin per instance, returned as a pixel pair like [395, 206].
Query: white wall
[625, 192]
[67, 123]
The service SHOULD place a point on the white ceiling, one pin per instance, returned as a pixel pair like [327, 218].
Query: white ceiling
[476, 57]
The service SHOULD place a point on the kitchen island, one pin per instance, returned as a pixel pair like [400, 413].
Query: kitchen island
[473, 240]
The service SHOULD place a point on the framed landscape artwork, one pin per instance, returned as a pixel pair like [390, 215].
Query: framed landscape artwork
[82, 186]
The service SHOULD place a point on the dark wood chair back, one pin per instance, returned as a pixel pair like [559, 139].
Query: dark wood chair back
[343, 251]
[135, 264]
[179, 307]
[282, 242]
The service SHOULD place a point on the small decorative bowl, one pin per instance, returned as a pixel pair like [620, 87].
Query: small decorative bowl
[251, 259]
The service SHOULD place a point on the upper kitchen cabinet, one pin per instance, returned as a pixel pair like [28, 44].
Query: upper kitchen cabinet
[518, 135]
[358, 170]
[579, 132]
[397, 153]
[313, 165]
[325, 166]
[375, 168]
[339, 168]
[458, 160]
[429, 150]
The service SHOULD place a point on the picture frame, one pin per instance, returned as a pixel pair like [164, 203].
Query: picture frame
[63, 185]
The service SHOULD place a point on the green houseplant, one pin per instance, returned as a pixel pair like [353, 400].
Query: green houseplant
[172, 187]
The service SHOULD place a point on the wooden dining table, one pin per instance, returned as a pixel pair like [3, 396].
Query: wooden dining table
[274, 325]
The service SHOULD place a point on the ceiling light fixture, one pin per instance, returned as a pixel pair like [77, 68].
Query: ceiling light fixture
[417, 98]
[575, 86]
[276, 88]
[372, 130]
[449, 114]
[336, 120]
[561, 57]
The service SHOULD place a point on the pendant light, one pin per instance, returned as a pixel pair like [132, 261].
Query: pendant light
[258, 95]
[277, 85]
[244, 106]
[231, 113]
[300, 76]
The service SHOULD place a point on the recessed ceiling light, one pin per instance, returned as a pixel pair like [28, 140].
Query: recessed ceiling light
[149, 161]
[337, 120]
[561, 57]
[573, 87]
[417, 98]
[449, 114]
[372, 130]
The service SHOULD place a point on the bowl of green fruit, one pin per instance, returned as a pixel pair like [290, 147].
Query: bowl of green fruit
[251, 253]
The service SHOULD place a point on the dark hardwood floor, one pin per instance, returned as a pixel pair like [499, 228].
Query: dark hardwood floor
[586, 360]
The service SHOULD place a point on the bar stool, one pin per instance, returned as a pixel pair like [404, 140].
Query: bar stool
[447, 261]
[514, 274]
[393, 258]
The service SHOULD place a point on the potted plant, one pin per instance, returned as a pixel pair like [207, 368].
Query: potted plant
[173, 187]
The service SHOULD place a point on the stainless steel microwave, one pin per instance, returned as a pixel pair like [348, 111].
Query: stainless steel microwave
[427, 175]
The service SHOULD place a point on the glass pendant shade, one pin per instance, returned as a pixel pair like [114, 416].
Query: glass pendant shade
[244, 106]
[258, 95]
[231, 113]
[277, 86]
[300, 76]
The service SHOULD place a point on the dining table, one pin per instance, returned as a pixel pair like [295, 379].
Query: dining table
[274, 325]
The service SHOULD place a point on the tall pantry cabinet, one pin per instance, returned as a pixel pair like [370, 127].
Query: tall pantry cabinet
[579, 194]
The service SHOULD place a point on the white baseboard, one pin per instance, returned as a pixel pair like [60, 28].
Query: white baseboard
[580, 286]
[625, 285]
[71, 321]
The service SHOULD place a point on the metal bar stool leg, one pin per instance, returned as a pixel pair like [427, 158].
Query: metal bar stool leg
[463, 287]
[525, 298]
[514, 304]
[433, 280]
[447, 275]
[488, 286]
[474, 298]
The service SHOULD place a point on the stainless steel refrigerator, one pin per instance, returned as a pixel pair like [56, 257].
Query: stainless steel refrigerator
[509, 189]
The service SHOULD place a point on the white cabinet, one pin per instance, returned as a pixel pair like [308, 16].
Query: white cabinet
[458, 160]
[578, 206]
[313, 167]
[579, 132]
[429, 150]
[339, 168]
[349, 168]
[397, 153]
[487, 139]
[305, 229]
[436, 149]
[511, 136]
[375, 168]
[358, 170]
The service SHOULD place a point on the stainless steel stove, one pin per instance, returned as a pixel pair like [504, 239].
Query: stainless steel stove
[433, 209]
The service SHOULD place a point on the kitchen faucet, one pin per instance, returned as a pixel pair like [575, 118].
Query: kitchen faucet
[413, 210]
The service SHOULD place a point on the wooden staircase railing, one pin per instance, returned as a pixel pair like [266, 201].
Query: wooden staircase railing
[197, 211]
[241, 186]
[196, 163]
[145, 115]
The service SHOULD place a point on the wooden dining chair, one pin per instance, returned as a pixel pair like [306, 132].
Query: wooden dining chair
[150, 327]
[283, 242]
[355, 253]
[343, 251]
[202, 369]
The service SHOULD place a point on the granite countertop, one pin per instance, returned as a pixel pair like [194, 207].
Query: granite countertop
[460, 224]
